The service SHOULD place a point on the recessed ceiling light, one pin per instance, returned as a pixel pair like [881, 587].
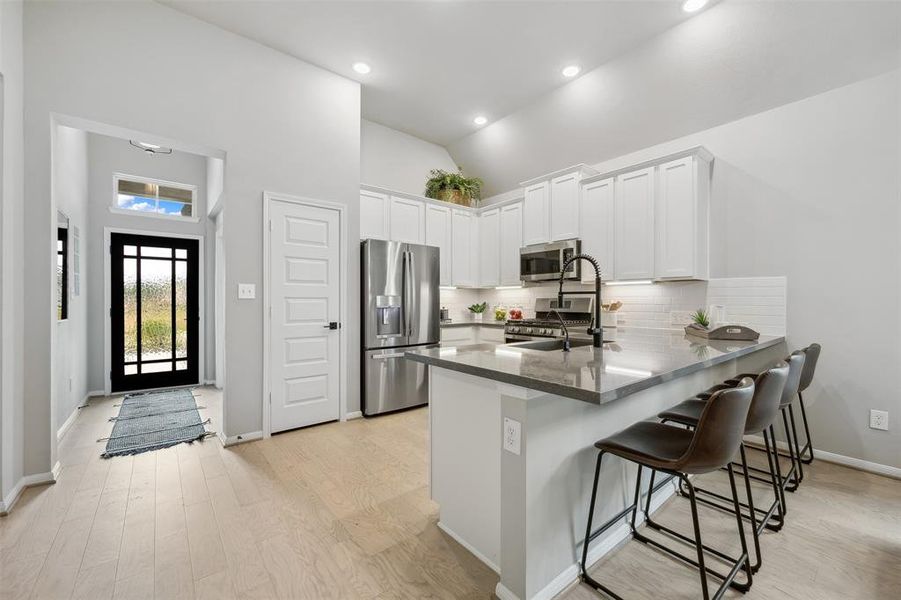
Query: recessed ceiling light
[480, 120]
[572, 70]
[693, 5]
[362, 68]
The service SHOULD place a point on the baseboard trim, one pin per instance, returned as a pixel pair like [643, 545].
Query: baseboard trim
[353, 415]
[27, 481]
[64, 428]
[488, 563]
[839, 459]
[233, 440]
[570, 575]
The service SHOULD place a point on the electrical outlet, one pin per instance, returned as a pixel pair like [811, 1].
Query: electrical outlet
[512, 435]
[879, 419]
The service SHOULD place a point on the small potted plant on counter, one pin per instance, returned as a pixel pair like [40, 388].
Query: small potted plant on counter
[478, 310]
[453, 187]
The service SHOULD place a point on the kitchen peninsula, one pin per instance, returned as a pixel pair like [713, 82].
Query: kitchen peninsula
[512, 434]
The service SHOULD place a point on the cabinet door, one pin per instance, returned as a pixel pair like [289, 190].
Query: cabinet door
[465, 249]
[438, 233]
[534, 219]
[407, 220]
[511, 242]
[373, 215]
[564, 207]
[489, 248]
[598, 226]
[676, 220]
[634, 234]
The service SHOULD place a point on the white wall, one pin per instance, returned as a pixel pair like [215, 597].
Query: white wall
[70, 182]
[285, 126]
[106, 156]
[11, 260]
[398, 161]
[729, 61]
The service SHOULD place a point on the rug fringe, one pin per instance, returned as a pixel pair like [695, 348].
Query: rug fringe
[168, 444]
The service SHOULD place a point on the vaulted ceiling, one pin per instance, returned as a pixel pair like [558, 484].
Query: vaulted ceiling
[438, 64]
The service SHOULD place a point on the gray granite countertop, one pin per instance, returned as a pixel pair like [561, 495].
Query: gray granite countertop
[473, 323]
[634, 360]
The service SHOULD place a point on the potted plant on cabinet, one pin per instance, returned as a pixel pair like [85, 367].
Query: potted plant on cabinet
[453, 187]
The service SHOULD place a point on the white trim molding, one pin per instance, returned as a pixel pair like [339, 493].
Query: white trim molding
[234, 440]
[64, 428]
[472, 550]
[7, 503]
[839, 459]
[356, 414]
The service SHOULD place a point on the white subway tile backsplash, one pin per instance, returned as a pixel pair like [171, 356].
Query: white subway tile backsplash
[758, 302]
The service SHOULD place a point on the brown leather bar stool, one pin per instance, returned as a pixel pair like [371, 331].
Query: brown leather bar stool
[812, 352]
[792, 479]
[680, 452]
[768, 387]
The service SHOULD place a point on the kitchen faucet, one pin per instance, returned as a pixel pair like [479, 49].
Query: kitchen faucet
[566, 343]
[594, 329]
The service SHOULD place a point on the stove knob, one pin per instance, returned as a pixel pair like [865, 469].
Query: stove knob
[514, 330]
[546, 331]
[529, 330]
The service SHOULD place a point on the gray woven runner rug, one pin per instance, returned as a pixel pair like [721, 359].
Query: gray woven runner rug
[154, 420]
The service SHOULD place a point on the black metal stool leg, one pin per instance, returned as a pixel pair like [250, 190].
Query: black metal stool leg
[741, 529]
[808, 447]
[791, 417]
[594, 495]
[777, 489]
[697, 529]
[751, 512]
[792, 478]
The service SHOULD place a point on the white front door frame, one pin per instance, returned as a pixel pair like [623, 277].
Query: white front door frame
[107, 300]
[268, 199]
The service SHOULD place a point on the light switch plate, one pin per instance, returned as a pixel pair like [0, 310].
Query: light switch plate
[512, 436]
[247, 291]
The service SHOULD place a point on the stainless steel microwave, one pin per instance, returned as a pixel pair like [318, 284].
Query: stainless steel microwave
[542, 262]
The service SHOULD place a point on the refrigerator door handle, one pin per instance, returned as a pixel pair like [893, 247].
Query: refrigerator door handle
[406, 291]
[412, 273]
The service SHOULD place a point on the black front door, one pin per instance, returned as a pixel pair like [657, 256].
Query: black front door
[154, 312]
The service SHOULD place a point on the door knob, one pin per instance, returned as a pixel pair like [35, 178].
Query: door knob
[332, 325]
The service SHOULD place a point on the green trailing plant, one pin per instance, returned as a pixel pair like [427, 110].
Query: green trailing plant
[699, 317]
[478, 308]
[445, 185]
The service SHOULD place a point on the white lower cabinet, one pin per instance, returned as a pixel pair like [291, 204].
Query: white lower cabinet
[598, 226]
[510, 243]
[491, 335]
[464, 265]
[634, 236]
[439, 232]
[474, 334]
[489, 248]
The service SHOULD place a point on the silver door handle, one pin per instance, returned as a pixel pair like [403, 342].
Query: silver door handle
[387, 356]
[412, 275]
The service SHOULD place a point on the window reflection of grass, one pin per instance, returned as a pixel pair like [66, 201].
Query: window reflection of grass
[156, 317]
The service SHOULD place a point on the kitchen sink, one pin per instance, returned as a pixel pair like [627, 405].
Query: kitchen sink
[554, 344]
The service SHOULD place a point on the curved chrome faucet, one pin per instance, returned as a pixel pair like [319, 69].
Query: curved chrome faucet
[594, 330]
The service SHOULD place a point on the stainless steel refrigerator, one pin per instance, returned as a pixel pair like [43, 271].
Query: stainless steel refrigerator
[400, 312]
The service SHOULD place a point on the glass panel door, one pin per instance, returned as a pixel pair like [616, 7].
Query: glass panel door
[153, 312]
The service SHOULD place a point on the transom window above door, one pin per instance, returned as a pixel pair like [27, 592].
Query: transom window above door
[156, 198]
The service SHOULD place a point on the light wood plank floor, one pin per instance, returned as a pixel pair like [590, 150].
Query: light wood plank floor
[342, 511]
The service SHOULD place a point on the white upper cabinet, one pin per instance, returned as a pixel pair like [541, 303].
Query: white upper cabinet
[634, 216]
[373, 215]
[465, 249]
[489, 248]
[564, 207]
[681, 219]
[510, 243]
[407, 220]
[438, 232]
[534, 214]
[598, 225]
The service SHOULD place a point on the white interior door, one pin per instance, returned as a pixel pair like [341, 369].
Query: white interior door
[304, 295]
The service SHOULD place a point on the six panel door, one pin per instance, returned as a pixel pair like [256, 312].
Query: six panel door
[305, 303]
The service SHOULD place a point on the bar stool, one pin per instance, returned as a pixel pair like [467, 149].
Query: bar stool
[680, 452]
[812, 352]
[792, 479]
[768, 388]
